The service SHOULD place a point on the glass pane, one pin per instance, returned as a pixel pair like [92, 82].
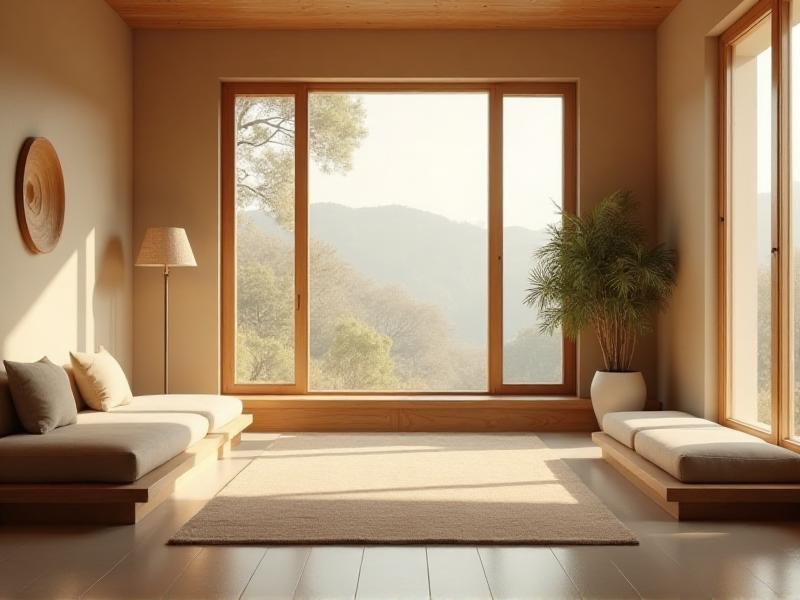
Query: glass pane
[265, 306]
[398, 192]
[794, 288]
[750, 222]
[533, 184]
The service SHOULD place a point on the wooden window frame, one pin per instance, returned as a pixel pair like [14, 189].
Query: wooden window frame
[779, 432]
[300, 90]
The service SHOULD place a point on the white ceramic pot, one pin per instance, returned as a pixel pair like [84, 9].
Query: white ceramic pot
[616, 392]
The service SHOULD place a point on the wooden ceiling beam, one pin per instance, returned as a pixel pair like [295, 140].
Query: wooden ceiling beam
[393, 14]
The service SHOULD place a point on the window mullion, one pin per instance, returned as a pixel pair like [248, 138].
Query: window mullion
[495, 261]
[301, 240]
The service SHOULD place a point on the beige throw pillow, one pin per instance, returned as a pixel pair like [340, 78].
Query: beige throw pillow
[100, 379]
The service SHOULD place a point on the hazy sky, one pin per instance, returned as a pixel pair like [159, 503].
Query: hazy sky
[430, 151]
[764, 121]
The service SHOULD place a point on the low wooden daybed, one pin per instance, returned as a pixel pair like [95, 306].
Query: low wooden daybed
[114, 467]
[114, 504]
[714, 473]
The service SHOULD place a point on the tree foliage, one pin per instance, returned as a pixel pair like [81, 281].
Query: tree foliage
[531, 356]
[596, 271]
[265, 136]
[422, 352]
[359, 358]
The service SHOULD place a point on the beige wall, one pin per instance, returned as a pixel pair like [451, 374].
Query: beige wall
[66, 74]
[687, 198]
[177, 83]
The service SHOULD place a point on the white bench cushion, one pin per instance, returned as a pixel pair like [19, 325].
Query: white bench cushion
[717, 455]
[217, 410]
[624, 426]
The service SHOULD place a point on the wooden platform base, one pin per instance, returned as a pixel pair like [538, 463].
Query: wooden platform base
[418, 413]
[113, 504]
[702, 501]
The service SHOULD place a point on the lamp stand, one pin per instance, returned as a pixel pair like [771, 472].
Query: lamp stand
[166, 328]
[165, 247]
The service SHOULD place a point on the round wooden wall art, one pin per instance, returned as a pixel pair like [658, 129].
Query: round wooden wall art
[40, 195]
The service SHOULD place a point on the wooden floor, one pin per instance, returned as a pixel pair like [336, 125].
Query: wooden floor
[674, 560]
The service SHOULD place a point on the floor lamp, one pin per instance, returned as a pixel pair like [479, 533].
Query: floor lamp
[165, 247]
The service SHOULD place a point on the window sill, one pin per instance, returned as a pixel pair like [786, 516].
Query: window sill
[405, 398]
[447, 413]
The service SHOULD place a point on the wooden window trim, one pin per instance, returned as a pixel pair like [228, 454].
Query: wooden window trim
[495, 91]
[782, 223]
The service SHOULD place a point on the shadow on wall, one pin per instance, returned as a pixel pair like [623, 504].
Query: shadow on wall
[64, 300]
[71, 298]
[108, 287]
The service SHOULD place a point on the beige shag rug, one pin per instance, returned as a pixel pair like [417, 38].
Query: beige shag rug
[405, 489]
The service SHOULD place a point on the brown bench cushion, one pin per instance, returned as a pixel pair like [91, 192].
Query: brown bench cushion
[624, 426]
[101, 447]
[217, 410]
[717, 455]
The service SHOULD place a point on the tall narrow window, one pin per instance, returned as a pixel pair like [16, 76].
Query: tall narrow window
[749, 201]
[533, 195]
[750, 215]
[264, 171]
[760, 222]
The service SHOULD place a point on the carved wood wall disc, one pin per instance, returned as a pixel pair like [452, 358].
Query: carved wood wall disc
[39, 195]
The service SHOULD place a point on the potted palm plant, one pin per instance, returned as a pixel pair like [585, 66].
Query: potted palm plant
[597, 272]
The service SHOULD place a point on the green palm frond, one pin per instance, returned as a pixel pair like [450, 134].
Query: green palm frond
[597, 271]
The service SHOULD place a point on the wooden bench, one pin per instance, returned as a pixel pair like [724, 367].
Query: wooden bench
[701, 501]
[113, 504]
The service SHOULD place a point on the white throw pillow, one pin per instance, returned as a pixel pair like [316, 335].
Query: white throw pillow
[100, 379]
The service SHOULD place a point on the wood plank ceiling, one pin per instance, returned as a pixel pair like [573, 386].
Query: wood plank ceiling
[393, 14]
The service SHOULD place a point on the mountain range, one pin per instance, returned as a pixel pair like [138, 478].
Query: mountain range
[436, 260]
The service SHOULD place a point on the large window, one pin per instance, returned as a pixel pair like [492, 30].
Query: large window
[759, 224]
[377, 238]
[749, 215]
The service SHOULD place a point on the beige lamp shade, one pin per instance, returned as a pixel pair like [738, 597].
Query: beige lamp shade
[165, 247]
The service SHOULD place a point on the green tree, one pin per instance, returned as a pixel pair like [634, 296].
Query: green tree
[359, 358]
[263, 358]
[265, 180]
[265, 327]
[424, 354]
[532, 356]
[265, 136]
[764, 349]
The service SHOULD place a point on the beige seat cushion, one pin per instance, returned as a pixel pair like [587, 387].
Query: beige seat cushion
[623, 426]
[218, 410]
[101, 447]
[100, 379]
[717, 455]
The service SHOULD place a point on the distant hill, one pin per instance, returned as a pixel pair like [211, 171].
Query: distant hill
[438, 261]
